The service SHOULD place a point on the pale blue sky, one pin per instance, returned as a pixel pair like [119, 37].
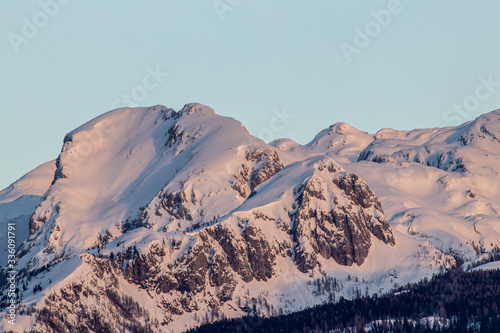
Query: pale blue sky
[260, 58]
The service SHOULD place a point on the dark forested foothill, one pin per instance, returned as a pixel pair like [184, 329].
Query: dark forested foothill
[454, 301]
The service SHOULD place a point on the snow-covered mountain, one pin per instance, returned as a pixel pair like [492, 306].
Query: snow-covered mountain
[161, 220]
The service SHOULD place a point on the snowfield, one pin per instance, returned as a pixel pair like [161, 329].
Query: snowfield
[491, 265]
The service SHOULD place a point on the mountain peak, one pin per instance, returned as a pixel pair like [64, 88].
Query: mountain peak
[340, 139]
[341, 127]
[191, 108]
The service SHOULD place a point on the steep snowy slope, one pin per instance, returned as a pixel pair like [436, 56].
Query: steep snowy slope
[162, 220]
[19, 200]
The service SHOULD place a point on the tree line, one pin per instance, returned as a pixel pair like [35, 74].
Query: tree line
[454, 301]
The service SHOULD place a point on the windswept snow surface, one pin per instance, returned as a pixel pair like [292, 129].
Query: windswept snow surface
[153, 178]
[18, 201]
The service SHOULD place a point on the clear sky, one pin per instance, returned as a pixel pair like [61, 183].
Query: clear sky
[284, 68]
